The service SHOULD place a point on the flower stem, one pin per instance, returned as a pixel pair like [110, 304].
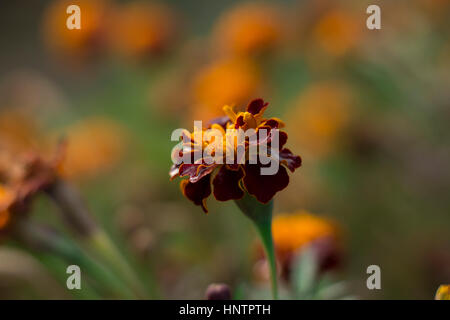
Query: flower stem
[261, 216]
[103, 246]
[78, 216]
[42, 238]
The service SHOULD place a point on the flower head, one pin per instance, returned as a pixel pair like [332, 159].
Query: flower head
[323, 112]
[337, 32]
[443, 292]
[224, 81]
[94, 145]
[249, 28]
[21, 178]
[141, 29]
[234, 155]
[76, 43]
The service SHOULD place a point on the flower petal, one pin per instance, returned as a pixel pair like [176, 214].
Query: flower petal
[257, 106]
[274, 123]
[226, 184]
[264, 187]
[174, 171]
[290, 160]
[195, 171]
[197, 192]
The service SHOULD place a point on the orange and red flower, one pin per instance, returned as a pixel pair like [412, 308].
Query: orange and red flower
[231, 181]
[21, 179]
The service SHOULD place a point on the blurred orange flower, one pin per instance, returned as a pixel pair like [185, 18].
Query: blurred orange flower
[248, 28]
[139, 29]
[293, 231]
[18, 133]
[229, 81]
[320, 113]
[6, 198]
[77, 43]
[21, 178]
[338, 31]
[94, 145]
[443, 292]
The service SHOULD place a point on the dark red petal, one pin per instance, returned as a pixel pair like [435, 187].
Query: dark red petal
[197, 192]
[188, 169]
[282, 136]
[226, 184]
[273, 123]
[174, 171]
[283, 139]
[195, 171]
[256, 106]
[264, 187]
[233, 166]
[290, 160]
[239, 122]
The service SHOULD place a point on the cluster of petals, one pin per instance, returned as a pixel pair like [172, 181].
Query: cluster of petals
[230, 181]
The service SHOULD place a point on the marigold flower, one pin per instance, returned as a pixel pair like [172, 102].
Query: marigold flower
[18, 132]
[337, 32]
[139, 28]
[93, 145]
[231, 181]
[248, 28]
[443, 292]
[77, 43]
[22, 177]
[222, 82]
[322, 112]
[6, 199]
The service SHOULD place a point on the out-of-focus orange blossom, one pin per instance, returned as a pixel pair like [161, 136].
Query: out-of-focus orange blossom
[6, 198]
[443, 292]
[249, 28]
[293, 231]
[76, 43]
[338, 31]
[93, 146]
[140, 28]
[228, 81]
[18, 132]
[321, 113]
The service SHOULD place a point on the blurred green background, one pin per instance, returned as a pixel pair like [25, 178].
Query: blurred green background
[368, 111]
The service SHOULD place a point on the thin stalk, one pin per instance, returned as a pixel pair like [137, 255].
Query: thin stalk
[261, 216]
[42, 238]
[265, 234]
[79, 218]
[105, 248]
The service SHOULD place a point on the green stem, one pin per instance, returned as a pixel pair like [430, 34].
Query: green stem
[45, 239]
[106, 249]
[261, 216]
[265, 233]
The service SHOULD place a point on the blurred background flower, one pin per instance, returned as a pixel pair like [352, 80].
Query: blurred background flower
[230, 81]
[248, 29]
[140, 29]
